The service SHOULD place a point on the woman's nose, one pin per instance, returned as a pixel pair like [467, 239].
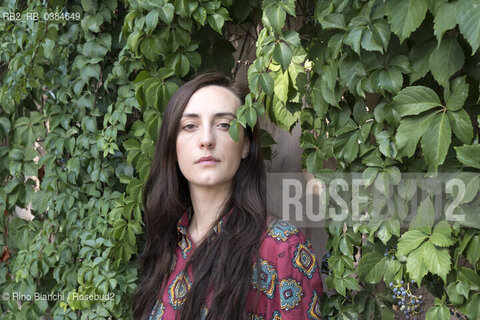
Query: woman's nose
[207, 140]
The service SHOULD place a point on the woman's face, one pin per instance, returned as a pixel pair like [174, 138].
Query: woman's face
[206, 154]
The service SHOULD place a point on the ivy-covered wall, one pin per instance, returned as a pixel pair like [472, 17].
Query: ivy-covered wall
[378, 87]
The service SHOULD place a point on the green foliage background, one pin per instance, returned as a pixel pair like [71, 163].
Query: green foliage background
[382, 87]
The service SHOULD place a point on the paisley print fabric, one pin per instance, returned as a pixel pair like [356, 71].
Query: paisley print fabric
[264, 278]
[285, 281]
[305, 260]
[178, 290]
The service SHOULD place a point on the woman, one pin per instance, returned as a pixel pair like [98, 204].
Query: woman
[211, 253]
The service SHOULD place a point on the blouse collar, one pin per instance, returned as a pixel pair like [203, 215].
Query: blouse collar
[182, 224]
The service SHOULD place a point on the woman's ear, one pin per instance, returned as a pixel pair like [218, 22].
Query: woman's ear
[245, 148]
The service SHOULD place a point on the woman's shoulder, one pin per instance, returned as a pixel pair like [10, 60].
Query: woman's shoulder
[287, 252]
[282, 235]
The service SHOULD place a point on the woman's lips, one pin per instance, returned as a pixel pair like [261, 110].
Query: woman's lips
[207, 160]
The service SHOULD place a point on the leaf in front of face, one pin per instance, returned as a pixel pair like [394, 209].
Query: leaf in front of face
[251, 116]
[436, 140]
[233, 130]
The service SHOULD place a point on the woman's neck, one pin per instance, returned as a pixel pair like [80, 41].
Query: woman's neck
[208, 204]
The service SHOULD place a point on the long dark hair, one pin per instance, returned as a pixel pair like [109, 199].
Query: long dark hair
[222, 265]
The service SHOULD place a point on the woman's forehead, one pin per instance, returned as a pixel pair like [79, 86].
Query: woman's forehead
[212, 99]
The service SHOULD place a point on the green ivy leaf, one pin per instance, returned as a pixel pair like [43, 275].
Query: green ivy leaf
[292, 38]
[368, 267]
[319, 104]
[438, 313]
[420, 57]
[281, 84]
[151, 21]
[436, 140]
[353, 39]
[251, 116]
[276, 16]
[89, 5]
[335, 44]
[179, 62]
[456, 99]
[473, 249]
[453, 294]
[282, 115]
[461, 125]
[415, 100]
[410, 240]
[470, 276]
[314, 161]
[166, 13]
[185, 7]
[441, 236]
[282, 54]
[346, 146]
[445, 19]
[200, 15]
[406, 16]
[390, 80]
[473, 308]
[409, 133]
[381, 33]
[416, 266]
[5, 126]
[152, 94]
[73, 165]
[334, 21]
[468, 18]
[437, 260]
[216, 21]
[424, 218]
[445, 60]
[468, 155]
[266, 82]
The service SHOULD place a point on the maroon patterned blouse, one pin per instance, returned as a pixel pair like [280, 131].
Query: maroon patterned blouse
[289, 282]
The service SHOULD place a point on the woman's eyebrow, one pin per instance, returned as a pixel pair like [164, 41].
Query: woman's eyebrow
[216, 115]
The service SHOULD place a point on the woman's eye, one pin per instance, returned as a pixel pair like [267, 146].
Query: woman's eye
[189, 127]
[224, 125]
